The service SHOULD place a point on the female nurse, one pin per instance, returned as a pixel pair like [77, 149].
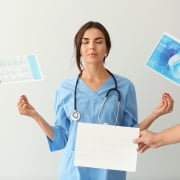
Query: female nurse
[82, 99]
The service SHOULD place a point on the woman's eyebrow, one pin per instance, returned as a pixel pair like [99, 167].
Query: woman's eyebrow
[84, 38]
[97, 38]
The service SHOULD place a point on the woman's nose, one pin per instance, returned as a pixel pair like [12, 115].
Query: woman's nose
[91, 46]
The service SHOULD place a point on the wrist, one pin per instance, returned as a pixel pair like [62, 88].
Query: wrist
[155, 115]
[35, 115]
[158, 140]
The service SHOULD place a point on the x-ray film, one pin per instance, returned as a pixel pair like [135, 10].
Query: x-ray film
[165, 58]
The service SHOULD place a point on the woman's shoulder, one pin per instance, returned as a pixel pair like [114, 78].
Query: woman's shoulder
[124, 83]
[122, 79]
[67, 83]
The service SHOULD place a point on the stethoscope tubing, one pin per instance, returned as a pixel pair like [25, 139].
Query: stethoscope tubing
[76, 115]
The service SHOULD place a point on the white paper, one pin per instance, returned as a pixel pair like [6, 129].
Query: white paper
[106, 146]
[19, 69]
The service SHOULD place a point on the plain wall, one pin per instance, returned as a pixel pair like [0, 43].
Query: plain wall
[47, 28]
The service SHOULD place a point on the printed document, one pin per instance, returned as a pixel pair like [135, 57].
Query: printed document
[19, 69]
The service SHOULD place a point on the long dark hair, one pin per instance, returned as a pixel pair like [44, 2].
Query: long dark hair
[79, 35]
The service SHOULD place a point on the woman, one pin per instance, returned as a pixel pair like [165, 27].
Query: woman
[81, 99]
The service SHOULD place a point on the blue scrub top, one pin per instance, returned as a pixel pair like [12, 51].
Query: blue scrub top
[88, 105]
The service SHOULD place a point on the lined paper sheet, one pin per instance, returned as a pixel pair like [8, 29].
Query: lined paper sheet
[106, 146]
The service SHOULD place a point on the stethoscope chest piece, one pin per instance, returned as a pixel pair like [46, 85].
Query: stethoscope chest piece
[75, 116]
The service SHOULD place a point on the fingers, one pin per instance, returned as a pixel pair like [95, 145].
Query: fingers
[142, 148]
[166, 105]
[168, 102]
[22, 104]
[136, 141]
[143, 141]
[139, 139]
[22, 100]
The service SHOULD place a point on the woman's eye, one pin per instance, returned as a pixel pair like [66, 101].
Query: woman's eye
[84, 41]
[99, 41]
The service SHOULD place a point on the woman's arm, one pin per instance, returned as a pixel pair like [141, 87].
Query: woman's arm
[25, 108]
[165, 106]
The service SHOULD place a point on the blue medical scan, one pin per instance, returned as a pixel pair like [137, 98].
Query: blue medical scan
[165, 58]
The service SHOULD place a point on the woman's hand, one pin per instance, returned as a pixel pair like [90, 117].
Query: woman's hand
[165, 106]
[25, 108]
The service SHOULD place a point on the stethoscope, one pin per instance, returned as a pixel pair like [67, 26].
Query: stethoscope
[76, 115]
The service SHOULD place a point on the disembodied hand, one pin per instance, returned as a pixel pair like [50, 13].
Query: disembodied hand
[147, 139]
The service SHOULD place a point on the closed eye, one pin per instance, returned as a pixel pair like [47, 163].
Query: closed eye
[85, 41]
[99, 41]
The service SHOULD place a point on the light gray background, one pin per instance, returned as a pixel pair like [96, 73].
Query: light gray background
[47, 28]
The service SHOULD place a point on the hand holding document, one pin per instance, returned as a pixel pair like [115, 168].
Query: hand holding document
[19, 69]
[165, 58]
[106, 146]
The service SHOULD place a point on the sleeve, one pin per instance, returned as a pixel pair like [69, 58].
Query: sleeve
[61, 125]
[130, 112]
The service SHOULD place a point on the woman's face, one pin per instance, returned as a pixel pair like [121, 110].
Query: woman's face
[93, 47]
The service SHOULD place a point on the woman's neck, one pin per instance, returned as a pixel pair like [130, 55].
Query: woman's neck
[94, 78]
[94, 73]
